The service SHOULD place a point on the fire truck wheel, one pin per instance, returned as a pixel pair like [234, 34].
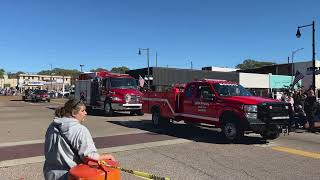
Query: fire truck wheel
[108, 110]
[140, 113]
[156, 118]
[232, 131]
[273, 132]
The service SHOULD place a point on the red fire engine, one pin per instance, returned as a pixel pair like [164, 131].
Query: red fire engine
[223, 104]
[109, 92]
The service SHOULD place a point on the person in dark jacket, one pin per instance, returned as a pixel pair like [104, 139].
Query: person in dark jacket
[310, 107]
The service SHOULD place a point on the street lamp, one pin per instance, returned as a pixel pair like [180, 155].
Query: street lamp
[292, 66]
[81, 65]
[298, 34]
[147, 49]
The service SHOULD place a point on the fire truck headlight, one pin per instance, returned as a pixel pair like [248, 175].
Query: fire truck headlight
[250, 111]
[115, 98]
[250, 108]
[127, 98]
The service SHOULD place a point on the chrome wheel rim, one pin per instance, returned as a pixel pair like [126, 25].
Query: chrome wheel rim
[230, 130]
[107, 108]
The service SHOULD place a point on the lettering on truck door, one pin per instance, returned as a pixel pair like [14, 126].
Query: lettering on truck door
[205, 104]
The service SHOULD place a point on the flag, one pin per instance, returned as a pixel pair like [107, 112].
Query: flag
[297, 78]
[141, 81]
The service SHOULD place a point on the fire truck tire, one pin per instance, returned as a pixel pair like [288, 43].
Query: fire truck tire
[273, 132]
[232, 131]
[156, 118]
[108, 109]
[140, 113]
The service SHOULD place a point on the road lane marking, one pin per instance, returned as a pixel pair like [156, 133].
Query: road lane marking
[269, 144]
[297, 152]
[8, 144]
[40, 159]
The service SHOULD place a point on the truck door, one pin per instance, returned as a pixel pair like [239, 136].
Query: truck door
[188, 101]
[204, 103]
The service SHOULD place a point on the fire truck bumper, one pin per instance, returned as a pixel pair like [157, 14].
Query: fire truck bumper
[258, 126]
[125, 107]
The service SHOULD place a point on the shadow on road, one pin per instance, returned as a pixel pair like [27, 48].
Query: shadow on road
[101, 113]
[16, 100]
[197, 134]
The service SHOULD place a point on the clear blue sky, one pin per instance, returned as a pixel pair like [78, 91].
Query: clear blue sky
[108, 33]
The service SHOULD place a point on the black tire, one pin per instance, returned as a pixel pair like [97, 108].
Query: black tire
[273, 132]
[108, 109]
[232, 131]
[132, 113]
[156, 118]
[140, 112]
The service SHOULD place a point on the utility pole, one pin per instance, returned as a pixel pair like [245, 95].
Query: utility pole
[156, 59]
[51, 76]
[148, 64]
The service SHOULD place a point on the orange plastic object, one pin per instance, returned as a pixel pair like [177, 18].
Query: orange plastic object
[92, 171]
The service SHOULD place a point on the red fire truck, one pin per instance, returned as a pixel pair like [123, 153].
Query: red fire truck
[109, 92]
[223, 104]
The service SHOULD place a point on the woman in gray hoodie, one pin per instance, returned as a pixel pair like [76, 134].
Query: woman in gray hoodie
[68, 142]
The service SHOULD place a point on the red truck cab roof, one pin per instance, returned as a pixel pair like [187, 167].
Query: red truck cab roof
[102, 74]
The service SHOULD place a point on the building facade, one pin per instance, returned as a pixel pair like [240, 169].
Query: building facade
[261, 84]
[7, 82]
[35, 81]
[290, 69]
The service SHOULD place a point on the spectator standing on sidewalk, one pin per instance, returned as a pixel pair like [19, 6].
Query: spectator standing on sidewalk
[68, 142]
[310, 107]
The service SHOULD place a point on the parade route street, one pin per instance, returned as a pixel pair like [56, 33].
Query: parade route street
[179, 151]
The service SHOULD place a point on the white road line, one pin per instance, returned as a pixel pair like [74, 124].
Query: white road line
[270, 144]
[39, 159]
[8, 144]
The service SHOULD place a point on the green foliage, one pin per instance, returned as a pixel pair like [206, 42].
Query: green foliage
[60, 72]
[1, 73]
[121, 70]
[15, 75]
[98, 69]
[251, 64]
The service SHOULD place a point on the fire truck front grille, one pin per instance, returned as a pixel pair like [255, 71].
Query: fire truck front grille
[273, 111]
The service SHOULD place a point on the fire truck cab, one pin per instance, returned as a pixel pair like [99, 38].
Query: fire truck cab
[109, 92]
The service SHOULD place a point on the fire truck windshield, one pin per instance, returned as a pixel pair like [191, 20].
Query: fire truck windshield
[123, 83]
[225, 89]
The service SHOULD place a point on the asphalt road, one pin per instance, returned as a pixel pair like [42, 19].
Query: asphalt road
[179, 151]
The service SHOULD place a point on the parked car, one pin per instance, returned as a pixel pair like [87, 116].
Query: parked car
[37, 95]
[63, 94]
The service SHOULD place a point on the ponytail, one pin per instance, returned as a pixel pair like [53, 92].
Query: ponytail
[60, 112]
[70, 107]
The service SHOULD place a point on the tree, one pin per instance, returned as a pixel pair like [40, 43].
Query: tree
[60, 72]
[251, 64]
[98, 69]
[15, 75]
[1, 73]
[121, 70]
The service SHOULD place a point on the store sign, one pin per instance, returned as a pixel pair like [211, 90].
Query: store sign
[34, 83]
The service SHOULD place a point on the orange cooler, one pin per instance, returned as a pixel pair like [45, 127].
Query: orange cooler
[92, 171]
